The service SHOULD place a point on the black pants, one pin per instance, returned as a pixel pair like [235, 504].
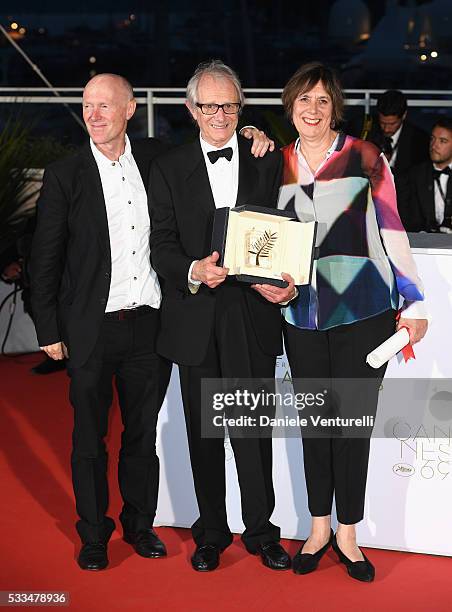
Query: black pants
[124, 349]
[233, 352]
[338, 466]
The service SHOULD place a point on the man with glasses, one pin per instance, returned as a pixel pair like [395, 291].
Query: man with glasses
[213, 326]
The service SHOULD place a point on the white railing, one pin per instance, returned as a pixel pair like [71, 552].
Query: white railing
[160, 96]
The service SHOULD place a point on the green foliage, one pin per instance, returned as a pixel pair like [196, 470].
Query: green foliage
[19, 153]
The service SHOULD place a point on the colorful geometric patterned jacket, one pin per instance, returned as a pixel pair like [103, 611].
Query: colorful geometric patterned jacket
[363, 259]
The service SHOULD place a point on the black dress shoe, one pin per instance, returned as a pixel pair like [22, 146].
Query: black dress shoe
[304, 563]
[359, 570]
[273, 556]
[206, 558]
[93, 556]
[146, 543]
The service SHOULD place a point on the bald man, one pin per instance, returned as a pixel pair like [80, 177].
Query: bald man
[96, 298]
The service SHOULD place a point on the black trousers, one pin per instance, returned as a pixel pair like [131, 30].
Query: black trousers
[338, 466]
[124, 350]
[233, 352]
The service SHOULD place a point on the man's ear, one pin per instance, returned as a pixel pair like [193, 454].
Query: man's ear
[131, 107]
[191, 110]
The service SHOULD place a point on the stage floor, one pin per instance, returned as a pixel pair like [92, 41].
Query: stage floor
[39, 544]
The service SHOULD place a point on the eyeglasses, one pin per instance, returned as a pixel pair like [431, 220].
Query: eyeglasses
[230, 108]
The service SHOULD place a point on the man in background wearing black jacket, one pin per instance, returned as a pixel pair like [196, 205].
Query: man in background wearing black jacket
[403, 143]
[425, 192]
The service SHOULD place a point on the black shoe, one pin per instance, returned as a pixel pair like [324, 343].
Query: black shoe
[93, 556]
[305, 563]
[48, 366]
[359, 570]
[273, 556]
[146, 543]
[206, 557]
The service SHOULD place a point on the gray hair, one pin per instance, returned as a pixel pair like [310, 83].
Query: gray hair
[218, 70]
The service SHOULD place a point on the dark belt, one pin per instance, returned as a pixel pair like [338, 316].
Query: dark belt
[127, 313]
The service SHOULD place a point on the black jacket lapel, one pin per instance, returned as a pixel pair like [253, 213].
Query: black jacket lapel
[142, 164]
[198, 184]
[93, 188]
[429, 193]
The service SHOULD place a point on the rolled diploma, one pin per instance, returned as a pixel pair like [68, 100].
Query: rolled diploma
[388, 349]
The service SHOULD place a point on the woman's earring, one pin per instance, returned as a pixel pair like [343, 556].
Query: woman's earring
[333, 124]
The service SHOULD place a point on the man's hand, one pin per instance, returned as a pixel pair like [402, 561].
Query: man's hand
[261, 143]
[12, 272]
[277, 295]
[417, 328]
[54, 351]
[207, 271]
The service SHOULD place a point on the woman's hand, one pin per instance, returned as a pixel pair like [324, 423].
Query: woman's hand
[417, 328]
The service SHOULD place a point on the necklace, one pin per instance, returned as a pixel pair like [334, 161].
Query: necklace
[318, 156]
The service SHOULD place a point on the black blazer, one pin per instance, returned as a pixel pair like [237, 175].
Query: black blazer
[71, 259]
[416, 198]
[412, 146]
[182, 209]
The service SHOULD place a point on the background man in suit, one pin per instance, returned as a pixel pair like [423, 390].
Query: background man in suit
[425, 191]
[213, 326]
[95, 296]
[403, 143]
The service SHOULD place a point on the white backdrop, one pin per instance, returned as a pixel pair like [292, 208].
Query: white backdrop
[409, 494]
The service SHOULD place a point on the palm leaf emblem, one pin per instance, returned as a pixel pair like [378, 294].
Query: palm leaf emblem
[263, 245]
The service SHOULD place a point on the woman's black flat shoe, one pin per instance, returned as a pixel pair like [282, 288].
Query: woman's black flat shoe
[359, 570]
[305, 563]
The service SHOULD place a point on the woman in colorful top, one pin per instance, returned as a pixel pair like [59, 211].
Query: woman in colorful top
[363, 263]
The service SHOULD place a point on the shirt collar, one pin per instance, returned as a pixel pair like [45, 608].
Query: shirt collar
[102, 160]
[206, 147]
[436, 167]
[395, 137]
[333, 147]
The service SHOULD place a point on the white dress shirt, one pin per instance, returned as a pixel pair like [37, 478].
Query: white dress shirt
[223, 178]
[223, 174]
[439, 200]
[133, 282]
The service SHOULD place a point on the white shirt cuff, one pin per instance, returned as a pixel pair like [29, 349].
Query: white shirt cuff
[193, 285]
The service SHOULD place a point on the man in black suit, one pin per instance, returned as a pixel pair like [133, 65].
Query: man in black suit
[403, 143]
[211, 325]
[424, 195]
[96, 299]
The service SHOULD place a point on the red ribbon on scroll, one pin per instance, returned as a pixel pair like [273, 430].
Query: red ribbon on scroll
[407, 350]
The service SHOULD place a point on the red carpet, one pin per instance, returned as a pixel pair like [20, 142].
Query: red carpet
[39, 543]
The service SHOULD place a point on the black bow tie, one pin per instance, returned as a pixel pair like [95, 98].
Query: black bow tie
[215, 155]
[437, 173]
